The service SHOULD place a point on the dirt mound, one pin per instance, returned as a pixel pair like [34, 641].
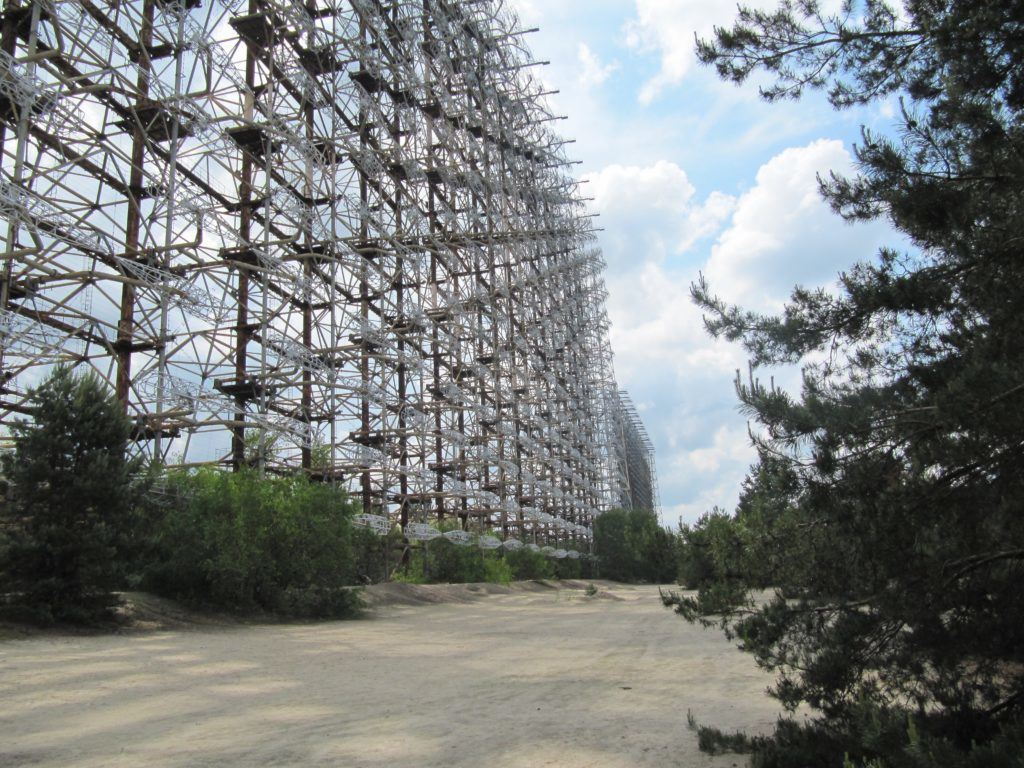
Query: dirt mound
[145, 611]
[398, 593]
[137, 612]
[142, 611]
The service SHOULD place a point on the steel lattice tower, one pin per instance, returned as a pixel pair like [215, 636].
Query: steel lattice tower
[335, 235]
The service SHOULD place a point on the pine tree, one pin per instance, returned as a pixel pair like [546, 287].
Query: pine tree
[899, 537]
[69, 501]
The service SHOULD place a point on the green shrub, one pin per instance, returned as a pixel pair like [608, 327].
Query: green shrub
[497, 570]
[584, 567]
[872, 737]
[528, 565]
[449, 563]
[243, 541]
[441, 561]
[369, 551]
[710, 550]
[568, 568]
[412, 573]
[315, 601]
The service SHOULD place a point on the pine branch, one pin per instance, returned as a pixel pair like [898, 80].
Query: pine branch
[971, 564]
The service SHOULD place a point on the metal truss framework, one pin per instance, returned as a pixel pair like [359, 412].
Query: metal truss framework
[336, 235]
[636, 474]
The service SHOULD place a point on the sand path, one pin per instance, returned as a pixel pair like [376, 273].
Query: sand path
[535, 677]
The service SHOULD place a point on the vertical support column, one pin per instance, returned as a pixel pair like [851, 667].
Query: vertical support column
[364, 287]
[14, 14]
[306, 239]
[126, 323]
[243, 332]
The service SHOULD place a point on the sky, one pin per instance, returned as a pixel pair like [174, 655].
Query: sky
[690, 175]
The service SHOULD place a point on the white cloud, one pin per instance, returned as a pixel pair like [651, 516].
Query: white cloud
[663, 355]
[782, 232]
[722, 460]
[650, 212]
[729, 445]
[653, 218]
[663, 185]
[670, 29]
[593, 73]
[778, 233]
[527, 10]
[708, 496]
[667, 362]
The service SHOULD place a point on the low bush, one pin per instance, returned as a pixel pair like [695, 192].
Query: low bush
[528, 565]
[409, 574]
[441, 561]
[241, 541]
[374, 555]
[449, 563]
[497, 570]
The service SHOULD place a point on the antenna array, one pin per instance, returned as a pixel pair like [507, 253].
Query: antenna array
[336, 235]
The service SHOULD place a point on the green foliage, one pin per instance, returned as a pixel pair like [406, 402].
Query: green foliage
[449, 563]
[243, 541]
[568, 568]
[870, 731]
[633, 547]
[372, 555]
[887, 504]
[411, 574]
[874, 738]
[708, 550]
[618, 561]
[715, 742]
[261, 447]
[68, 515]
[572, 568]
[497, 570]
[720, 548]
[588, 567]
[441, 561]
[320, 455]
[528, 565]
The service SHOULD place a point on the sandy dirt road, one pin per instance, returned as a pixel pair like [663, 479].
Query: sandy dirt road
[534, 677]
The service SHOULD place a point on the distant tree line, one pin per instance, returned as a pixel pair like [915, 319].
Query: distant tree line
[632, 546]
[629, 546]
[79, 520]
